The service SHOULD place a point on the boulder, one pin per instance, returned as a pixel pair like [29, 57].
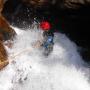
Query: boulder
[3, 56]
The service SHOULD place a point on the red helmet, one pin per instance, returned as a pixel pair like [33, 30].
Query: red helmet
[45, 25]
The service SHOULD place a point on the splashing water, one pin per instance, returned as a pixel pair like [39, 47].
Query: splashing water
[63, 69]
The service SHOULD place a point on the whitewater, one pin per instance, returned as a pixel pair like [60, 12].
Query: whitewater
[29, 69]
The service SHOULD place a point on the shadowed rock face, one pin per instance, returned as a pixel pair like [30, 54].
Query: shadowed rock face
[4, 25]
[59, 4]
[75, 4]
[1, 5]
[5, 29]
[37, 3]
[64, 4]
[6, 32]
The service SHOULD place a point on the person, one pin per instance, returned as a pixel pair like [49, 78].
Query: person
[48, 37]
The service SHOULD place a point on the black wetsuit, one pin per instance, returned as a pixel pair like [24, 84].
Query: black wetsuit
[48, 41]
[48, 33]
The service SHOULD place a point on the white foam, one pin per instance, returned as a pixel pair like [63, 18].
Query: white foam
[30, 70]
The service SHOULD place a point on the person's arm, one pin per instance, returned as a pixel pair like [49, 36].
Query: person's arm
[39, 42]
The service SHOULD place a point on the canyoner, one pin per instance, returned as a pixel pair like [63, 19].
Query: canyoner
[48, 36]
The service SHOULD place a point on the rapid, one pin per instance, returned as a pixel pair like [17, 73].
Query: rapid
[29, 69]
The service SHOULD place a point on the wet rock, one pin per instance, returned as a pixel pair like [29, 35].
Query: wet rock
[5, 29]
[64, 4]
[3, 53]
[3, 56]
[37, 3]
[75, 4]
[6, 32]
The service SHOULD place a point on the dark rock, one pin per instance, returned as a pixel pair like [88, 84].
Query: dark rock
[6, 32]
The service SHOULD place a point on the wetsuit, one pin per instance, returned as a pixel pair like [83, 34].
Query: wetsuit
[48, 39]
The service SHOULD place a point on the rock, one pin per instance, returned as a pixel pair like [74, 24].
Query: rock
[1, 37]
[3, 53]
[74, 4]
[3, 64]
[6, 32]
[64, 4]
[1, 5]
[5, 29]
[3, 56]
[37, 3]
